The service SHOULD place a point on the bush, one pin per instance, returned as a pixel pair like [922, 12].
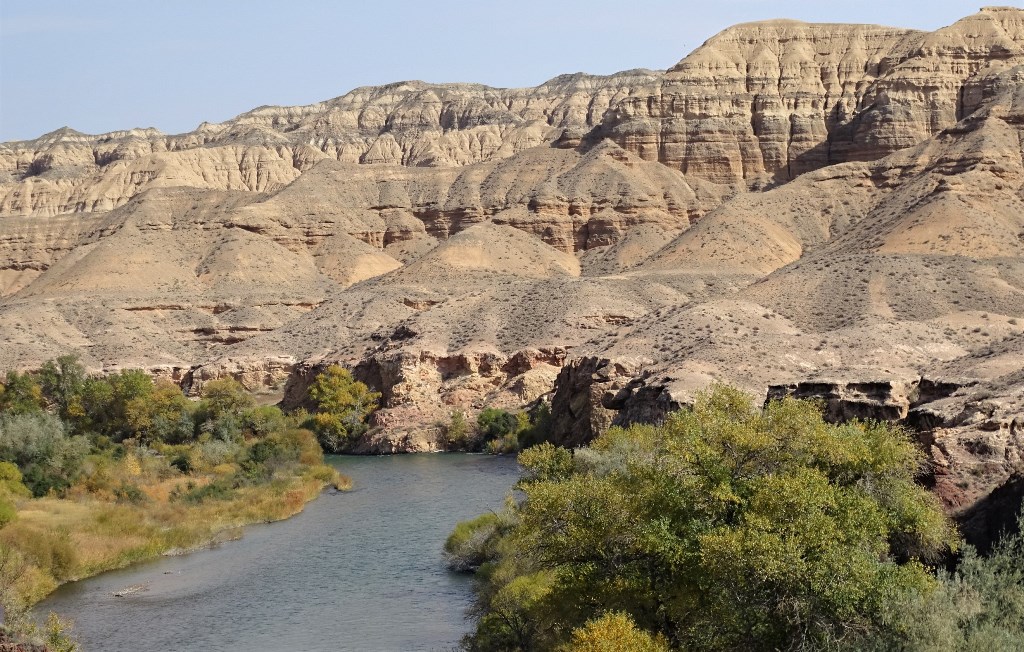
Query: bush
[343, 404]
[219, 489]
[613, 632]
[456, 432]
[38, 444]
[472, 543]
[728, 527]
[129, 493]
[11, 481]
[51, 551]
[494, 423]
[979, 606]
[7, 511]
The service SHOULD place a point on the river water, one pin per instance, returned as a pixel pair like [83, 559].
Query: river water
[359, 571]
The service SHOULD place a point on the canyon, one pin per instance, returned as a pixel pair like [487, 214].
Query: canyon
[824, 211]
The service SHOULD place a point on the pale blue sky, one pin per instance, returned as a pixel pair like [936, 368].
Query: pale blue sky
[100, 65]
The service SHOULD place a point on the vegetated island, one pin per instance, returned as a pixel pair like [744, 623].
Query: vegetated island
[98, 472]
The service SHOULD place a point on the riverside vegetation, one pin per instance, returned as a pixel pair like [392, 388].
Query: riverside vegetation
[99, 472]
[731, 527]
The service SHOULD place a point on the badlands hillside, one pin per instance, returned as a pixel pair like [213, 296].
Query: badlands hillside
[820, 210]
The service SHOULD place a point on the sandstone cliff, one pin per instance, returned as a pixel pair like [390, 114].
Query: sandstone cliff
[765, 102]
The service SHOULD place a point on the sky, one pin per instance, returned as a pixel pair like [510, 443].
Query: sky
[103, 65]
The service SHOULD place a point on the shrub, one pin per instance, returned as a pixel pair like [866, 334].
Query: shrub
[456, 432]
[343, 404]
[472, 543]
[129, 493]
[7, 511]
[38, 444]
[613, 632]
[979, 606]
[219, 489]
[11, 481]
[494, 423]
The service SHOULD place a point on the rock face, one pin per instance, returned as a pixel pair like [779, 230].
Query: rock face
[825, 210]
[408, 123]
[579, 404]
[768, 101]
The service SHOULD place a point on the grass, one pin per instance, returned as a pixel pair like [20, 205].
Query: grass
[66, 539]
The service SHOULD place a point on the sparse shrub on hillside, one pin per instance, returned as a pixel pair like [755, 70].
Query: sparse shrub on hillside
[728, 527]
[343, 405]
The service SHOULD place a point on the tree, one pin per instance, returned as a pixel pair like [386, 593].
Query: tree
[162, 415]
[456, 431]
[21, 394]
[495, 423]
[728, 527]
[39, 445]
[225, 396]
[61, 382]
[343, 404]
[106, 401]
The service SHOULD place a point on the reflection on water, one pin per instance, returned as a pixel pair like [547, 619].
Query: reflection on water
[359, 571]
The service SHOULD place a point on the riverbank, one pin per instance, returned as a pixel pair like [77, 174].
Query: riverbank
[60, 540]
[356, 572]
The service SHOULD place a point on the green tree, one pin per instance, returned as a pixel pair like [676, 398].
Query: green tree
[61, 381]
[729, 527]
[162, 415]
[495, 423]
[343, 404]
[39, 445]
[21, 394]
[225, 396]
[456, 432]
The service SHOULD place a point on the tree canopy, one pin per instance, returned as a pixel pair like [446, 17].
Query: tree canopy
[728, 527]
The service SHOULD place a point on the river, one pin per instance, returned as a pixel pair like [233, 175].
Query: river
[359, 571]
